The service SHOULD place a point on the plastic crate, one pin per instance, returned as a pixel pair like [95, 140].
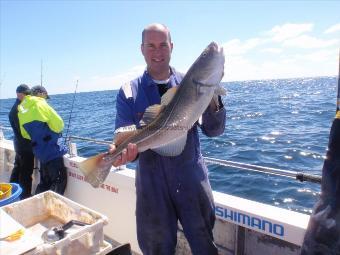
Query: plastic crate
[46, 210]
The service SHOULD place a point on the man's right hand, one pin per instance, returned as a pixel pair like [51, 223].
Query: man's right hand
[128, 154]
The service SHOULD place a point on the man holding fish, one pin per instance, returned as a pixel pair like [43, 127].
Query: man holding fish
[158, 121]
[174, 187]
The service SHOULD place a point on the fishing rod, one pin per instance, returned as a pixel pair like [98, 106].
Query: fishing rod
[69, 119]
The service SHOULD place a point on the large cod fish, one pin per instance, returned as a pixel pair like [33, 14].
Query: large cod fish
[166, 125]
[323, 232]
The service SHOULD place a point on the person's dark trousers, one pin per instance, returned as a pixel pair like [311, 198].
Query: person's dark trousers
[16, 170]
[22, 172]
[52, 176]
[167, 193]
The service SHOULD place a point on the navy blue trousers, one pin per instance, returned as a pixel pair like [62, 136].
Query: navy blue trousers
[22, 172]
[167, 194]
[53, 176]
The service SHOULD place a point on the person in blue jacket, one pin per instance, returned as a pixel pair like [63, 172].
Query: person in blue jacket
[168, 189]
[24, 158]
[40, 123]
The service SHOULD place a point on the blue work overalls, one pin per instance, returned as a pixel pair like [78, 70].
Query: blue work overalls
[169, 189]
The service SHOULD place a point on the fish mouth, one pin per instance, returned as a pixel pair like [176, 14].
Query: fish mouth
[215, 47]
[212, 66]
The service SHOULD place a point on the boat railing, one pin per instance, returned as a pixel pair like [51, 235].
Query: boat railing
[1, 131]
[298, 175]
[5, 128]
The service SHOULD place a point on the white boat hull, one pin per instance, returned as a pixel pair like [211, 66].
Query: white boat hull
[242, 227]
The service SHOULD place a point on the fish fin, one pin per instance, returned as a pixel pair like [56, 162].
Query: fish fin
[122, 136]
[200, 120]
[220, 91]
[174, 148]
[151, 113]
[124, 133]
[95, 169]
[126, 129]
[142, 124]
[167, 97]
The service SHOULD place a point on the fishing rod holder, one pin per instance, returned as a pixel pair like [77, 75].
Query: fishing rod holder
[73, 151]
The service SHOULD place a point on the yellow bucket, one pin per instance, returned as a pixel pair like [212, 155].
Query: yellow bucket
[5, 190]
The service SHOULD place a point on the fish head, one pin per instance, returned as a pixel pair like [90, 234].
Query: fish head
[208, 69]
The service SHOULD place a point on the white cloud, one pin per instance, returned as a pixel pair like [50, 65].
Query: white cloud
[333, 29]
[287, 65]
[287, 31]
[318, 56]
[272, 50]
[236, 47]
[308, 42]
[286, 51]
[254, 59]
[238, 68]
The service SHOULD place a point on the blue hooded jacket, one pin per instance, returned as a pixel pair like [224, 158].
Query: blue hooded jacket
[40, 123]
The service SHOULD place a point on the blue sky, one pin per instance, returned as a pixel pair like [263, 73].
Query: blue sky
[98, 42]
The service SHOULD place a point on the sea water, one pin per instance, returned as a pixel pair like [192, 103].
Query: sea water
[282, 124]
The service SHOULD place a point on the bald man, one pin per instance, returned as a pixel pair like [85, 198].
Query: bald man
[168, 189]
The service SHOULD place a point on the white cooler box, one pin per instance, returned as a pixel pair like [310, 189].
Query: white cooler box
[38, 214]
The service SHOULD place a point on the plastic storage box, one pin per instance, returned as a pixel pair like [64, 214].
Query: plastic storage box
[44, 211]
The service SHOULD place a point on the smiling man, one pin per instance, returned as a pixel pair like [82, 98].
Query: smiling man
[168, 188]
[156, 48]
